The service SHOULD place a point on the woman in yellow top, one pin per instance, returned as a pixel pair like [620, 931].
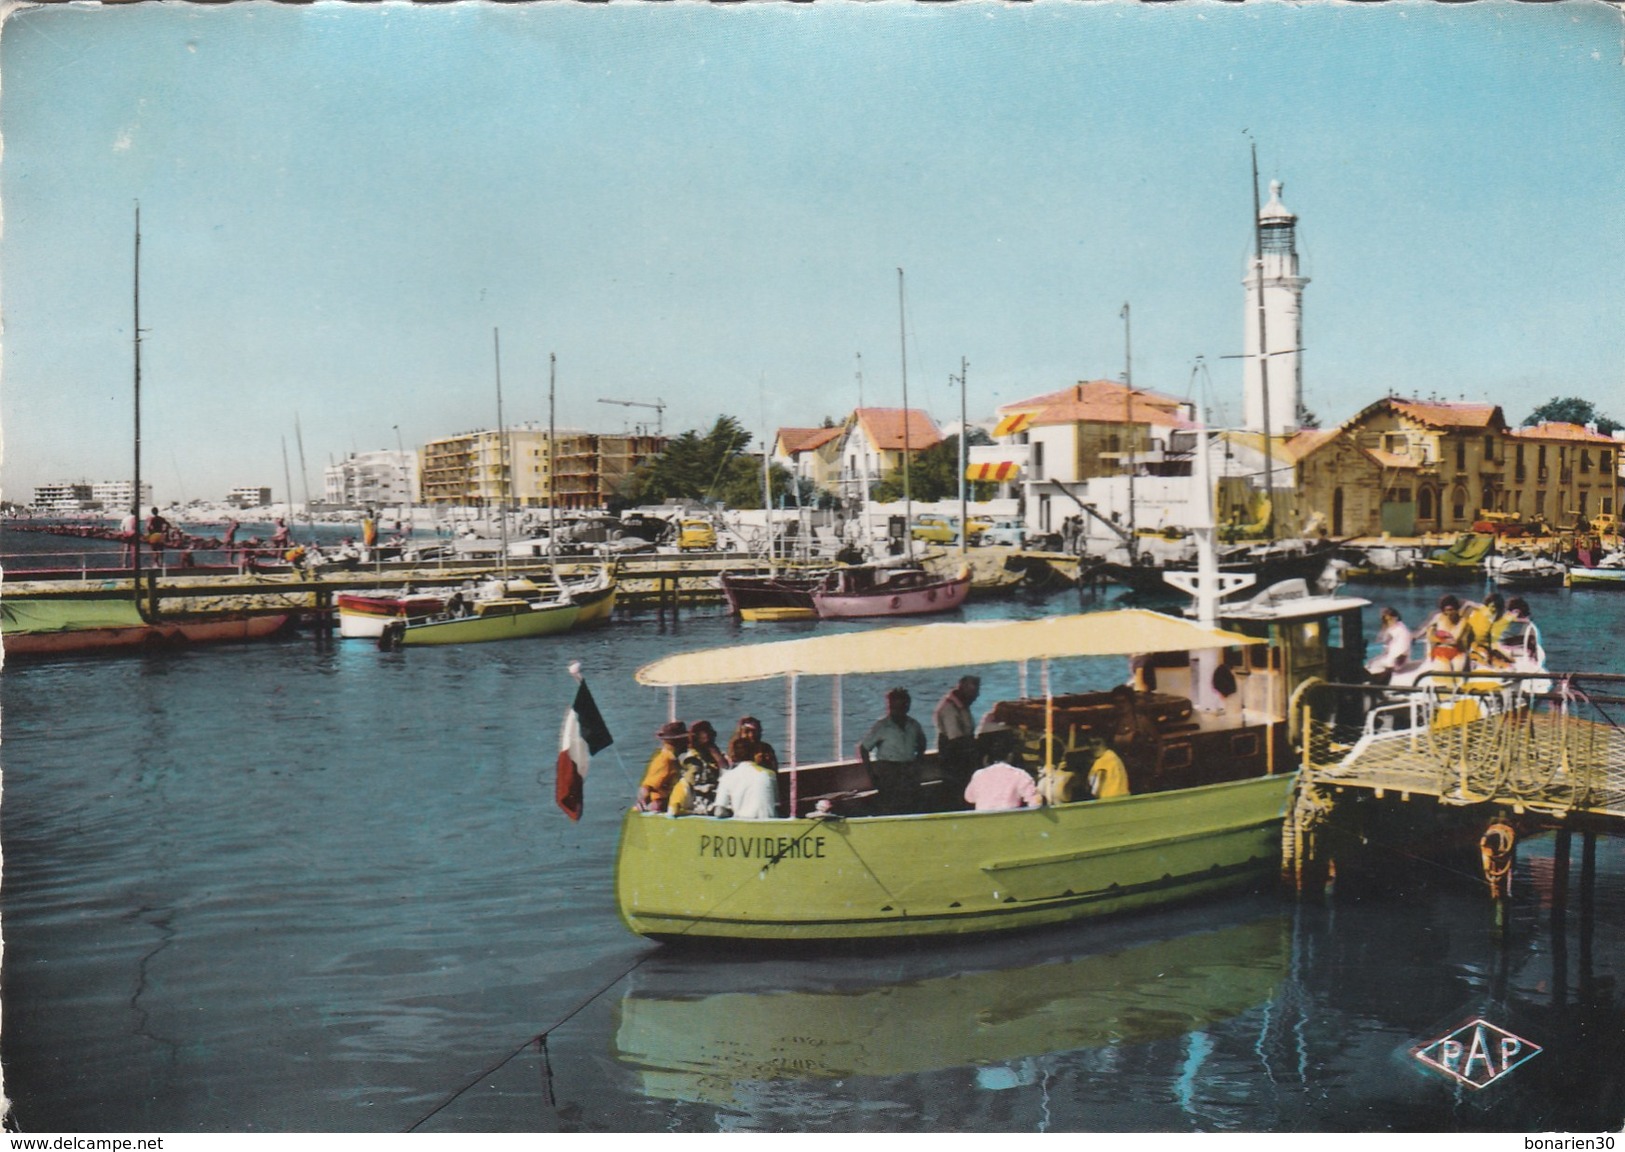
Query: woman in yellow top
[1488, 621]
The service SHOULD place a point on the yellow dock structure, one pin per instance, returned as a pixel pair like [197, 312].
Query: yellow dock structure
[1556, 754]
[1502, 757]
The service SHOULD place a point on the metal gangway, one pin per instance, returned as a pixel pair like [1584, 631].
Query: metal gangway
[1548, 745]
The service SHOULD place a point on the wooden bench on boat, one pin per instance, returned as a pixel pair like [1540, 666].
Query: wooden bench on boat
[1188, 749]
[847, 785]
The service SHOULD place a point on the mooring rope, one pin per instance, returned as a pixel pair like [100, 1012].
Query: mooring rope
[540, 1039]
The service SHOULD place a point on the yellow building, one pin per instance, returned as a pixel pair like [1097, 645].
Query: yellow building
[1410, 467]
[1564, 474]
[468, 469]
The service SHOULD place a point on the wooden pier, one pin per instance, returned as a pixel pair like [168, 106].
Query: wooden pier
[1497, 757]
[1558, 754]
[648, 581]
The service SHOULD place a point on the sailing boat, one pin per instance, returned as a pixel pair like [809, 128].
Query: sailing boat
[501, 608]
[897, 589]
[62, 626]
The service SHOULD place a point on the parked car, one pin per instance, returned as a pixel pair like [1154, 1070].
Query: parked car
[696, 536]
[1010, 533]
[938, 529]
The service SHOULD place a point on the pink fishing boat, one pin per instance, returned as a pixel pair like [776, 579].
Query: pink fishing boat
[876, 590]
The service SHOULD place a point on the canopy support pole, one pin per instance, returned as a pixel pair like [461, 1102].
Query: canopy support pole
[1049, 717]
[840, 718]
[795, 774]
[671, 703]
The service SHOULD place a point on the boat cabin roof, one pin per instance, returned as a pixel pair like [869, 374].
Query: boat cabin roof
[945, 645]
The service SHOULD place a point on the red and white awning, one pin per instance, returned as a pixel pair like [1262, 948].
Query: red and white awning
[1000, 471]
[1015, 422]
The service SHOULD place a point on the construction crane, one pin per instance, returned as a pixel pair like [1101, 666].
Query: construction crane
[660, 411]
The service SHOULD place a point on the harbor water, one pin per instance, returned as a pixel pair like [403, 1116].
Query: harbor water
[306, 885]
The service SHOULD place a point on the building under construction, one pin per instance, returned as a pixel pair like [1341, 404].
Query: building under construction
[520, 466]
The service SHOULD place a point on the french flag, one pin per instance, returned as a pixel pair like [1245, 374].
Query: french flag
[584, 735]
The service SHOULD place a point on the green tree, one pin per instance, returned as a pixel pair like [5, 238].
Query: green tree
[933, 474]
[1573, 410]
[694, 466]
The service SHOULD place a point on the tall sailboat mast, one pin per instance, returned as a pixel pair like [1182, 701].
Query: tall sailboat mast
[552, 459]
[502, 455]
[135, 493]
[1128, 432]
[1263, 358]
[908, 499]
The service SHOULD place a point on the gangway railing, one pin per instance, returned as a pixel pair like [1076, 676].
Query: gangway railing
[1544, 742]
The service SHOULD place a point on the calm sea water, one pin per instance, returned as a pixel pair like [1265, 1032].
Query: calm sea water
[307, 885]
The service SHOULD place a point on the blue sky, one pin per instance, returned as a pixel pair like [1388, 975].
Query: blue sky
[707, 206]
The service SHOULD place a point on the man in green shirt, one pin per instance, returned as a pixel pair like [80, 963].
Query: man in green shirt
[891, 751]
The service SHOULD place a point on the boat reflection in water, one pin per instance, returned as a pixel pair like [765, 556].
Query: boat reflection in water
[691, 1040]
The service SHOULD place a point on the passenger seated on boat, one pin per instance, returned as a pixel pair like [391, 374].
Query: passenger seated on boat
[891, 751]
[747, 791]
[999, 786]
[1108, 779]
[1487, 621]
[1394, 640]
[747, 744]
[1449, 636]
[1057, 785]
[702, 765]
[665, 767]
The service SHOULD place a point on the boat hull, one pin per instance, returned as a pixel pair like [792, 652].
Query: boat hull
[594, 606]
[488, 627]
[165, 634]
[770, 597]
[1596, 577]
[943, 874]
[921, 600]
[365, 617]
[1148, 578]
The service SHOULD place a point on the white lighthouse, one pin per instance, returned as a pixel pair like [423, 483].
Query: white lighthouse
[1282, 323]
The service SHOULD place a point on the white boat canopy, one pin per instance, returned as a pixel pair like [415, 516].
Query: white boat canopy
[1126, 633]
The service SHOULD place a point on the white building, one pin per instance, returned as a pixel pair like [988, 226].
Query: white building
[1282, 321]
[66, 497]
[114, 495]
[248, 496]
[382, 478]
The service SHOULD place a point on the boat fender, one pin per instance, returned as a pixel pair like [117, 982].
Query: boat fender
[952, 592]
[896, 601]
[932, 595]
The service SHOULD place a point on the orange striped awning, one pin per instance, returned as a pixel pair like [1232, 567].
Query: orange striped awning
[1003, 470]
[1015, 422]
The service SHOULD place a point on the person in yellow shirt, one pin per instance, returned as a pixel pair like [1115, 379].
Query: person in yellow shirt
[1488, 621]
[1108, 779]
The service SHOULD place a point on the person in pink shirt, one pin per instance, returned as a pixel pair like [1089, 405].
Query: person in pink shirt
[1001, 785]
